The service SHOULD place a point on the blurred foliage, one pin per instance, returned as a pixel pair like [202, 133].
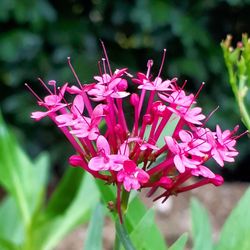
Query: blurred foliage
[238, 65]
[37, 36]
[31, 217]
[238, 219]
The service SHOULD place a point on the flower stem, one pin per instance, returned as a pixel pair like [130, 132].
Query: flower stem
[124, 202]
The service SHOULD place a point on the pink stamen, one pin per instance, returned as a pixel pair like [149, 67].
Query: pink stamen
[210, 115]
[100, 68]
[74, 73]
[53, 83]
[62, 96]
[85, 97]
[149, 66]
[121, 116]
[106, 57]
[104, 68]
[162, 62]
[33, 92]
[42, 82]
[240, 135]
[183, 85]
[199, 90]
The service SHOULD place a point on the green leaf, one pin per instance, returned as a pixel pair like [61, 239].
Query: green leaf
[41, 171]
[65, 191]
[123, 236]
[49, 231]
[235, 233]
[201, 227]
[180, 243]
[23, 180]
[142, 231]
[94, 233]
[11, 228]
[135, 212]
[8, 245]
[145, 235]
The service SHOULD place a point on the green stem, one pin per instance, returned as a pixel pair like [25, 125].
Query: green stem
[244, 113]
[28, 244]
[124, 201]
[239, 94]
[240, 99]
[232, 79]
[121, 235]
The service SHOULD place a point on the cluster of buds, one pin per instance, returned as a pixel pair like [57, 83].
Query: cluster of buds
[125, 151]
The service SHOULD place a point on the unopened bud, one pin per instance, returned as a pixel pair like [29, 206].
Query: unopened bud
[147, 119]
[217, 180]
[75, 160]
[134, 99]
[122, 85]
[165, 182]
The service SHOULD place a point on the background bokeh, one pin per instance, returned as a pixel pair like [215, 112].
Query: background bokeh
[37, 36]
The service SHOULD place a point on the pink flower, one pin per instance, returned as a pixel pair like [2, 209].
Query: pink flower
[157, 84]
[88, 127]
[203, 171]
[129, 153]
[107, 85]
[105, 160]
[131, 176]
[52, 102]
[223, 146]
[179, 98]
[181, 158]
[191, 115]
[194, 146]
[74, 116]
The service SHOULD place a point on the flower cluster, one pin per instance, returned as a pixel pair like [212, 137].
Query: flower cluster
[125, 150]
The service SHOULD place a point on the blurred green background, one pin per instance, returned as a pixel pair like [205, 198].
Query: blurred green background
[37, 36]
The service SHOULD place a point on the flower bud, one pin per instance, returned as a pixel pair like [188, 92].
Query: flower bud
[134, 99]
[75, 160]
[165, 182]
[147, 119]
[122, 85]
[217, 180]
